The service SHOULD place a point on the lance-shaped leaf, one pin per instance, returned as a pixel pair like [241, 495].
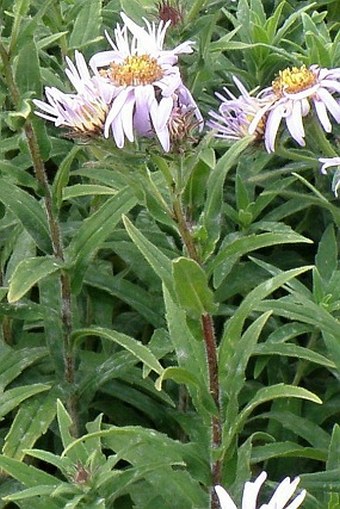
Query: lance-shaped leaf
[243, 245]
[28, 273]
[30, 423]
[213, 206]
[191, 286]
[28, 475]
[12, 398]
[160, 263]
[28, 211]
[263, 395]
[141, 351]
[95, 230]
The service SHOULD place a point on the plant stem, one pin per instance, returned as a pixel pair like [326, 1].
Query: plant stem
[55, 235]
[210, 348]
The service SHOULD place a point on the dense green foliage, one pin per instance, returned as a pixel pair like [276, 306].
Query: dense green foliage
[113, 272]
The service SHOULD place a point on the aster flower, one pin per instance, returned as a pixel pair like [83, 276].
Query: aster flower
[236, 113]
[291, 96]
[282, 495]
[144, 82]
[84, 112]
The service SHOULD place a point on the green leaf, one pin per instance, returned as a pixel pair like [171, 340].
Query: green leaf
[213, 205]
[262, 396]
[327, 256]
[251, 301]
[30, 423]
[190, 351]
[28, 69]
[42, 491]
[134, 295]
[291, 350]
[28, 211]
[132, 345]
[14, 362]
[208, 157]
[333, 460]
[87, 26]
[160, 263]
[62, 177]
[243, 245]
[95, 230]
[49, 40]
[86, 190]
[12, 398]
[65, 423]
[28, 273]
[27, 474]
[180, 375]
[191, 287]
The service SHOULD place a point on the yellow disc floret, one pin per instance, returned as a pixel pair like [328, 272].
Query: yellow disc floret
[293, 80]
[135, 70]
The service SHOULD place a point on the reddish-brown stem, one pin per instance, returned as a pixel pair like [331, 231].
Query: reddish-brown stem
[210, 348]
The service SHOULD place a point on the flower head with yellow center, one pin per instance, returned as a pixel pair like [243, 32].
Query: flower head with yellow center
[83, 112]
[143, 80]
[292, 95]
[279, 500]
[236, 113]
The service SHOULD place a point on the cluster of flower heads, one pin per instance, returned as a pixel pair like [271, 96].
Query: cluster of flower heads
[136, 89]
[133, 89]
[291, 97]
[279, 500]
[293, 94]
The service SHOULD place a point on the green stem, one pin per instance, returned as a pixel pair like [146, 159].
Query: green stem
[56, 239]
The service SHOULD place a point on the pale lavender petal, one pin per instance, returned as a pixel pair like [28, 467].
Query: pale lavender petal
[298, 500]
[241, 88]
[185, 47]
[308, 92]
[295, 124]
[331, 104]
[116, 107]
[251, 491]
[328, 162]
[163, 113]
[117, 131]
[272, 126]
[82, 67]
[283, 493]
[164, 138]
[145, 41]
[142, 122]
[332, 85]
[321, 112]
[169, 83]
[103, 59]
[127, 116]
[224, 498]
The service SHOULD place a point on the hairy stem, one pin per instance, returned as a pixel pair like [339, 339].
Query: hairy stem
[210, 348]
[55, 235]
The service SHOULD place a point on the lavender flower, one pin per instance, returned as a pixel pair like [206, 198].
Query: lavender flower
[282, 495]
[144, 82]
[290, 97]
[83, 112]
[235, 114]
